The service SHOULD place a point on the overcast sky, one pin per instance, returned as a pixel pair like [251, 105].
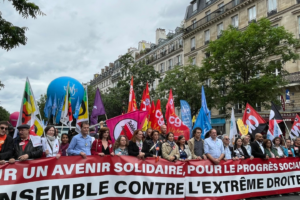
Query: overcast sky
[77, 38]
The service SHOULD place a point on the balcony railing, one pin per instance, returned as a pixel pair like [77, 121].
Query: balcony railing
[272, 12]
[116, 76]
[293, 77]
[214, 14]
[163, 54]
[298, 1]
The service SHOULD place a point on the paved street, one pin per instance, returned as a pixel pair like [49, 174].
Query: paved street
[284, 197]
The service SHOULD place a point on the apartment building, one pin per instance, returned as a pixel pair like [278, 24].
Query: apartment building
[204, 22]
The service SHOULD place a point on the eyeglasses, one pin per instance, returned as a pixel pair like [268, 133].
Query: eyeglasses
[3, 128]
[226, 138]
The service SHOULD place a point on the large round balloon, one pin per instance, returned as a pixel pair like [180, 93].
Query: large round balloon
[13, 118]
[58, 87]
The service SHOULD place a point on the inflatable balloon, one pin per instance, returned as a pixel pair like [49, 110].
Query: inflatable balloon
[13, 118]
[58, 86]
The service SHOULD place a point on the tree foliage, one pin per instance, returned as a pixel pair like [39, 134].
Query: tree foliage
[91, 96]
[242, 64]
[185, 84]
[41, 104]
[4, 114]
[1, 85]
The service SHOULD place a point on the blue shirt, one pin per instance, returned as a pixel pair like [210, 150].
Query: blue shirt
[227, 153]
[214, 147]
[80, 144]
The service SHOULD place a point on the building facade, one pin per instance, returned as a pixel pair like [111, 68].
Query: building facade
[204, 22]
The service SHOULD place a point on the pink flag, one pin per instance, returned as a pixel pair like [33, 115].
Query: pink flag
[129, 121]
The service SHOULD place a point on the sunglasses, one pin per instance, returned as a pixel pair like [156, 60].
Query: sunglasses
[2, 128]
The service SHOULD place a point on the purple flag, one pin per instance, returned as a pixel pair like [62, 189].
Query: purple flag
[98, 109]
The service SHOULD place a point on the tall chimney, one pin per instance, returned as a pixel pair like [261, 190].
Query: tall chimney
[160, 33]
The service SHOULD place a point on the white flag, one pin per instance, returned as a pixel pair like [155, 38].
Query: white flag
[64, 119]
[233, 130]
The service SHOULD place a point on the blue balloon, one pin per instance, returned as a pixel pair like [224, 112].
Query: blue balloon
[58, 86]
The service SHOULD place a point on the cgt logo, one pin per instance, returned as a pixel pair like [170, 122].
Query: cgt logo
[160, 117]
[175, 120]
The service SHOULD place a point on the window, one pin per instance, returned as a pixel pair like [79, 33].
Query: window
[162, 67]
[178, 60]
[235, 2]
[194, 61]
[194, 23]
[208, 82]
[170, 64]
[252, 13]
[221, 8]
[299, 25]
[235, 21]
[238, 108]
[208, 2]
[258, 107]
[207, 54]
[207, 14]
[220, 29]
[180, 42]
[272, 5]
[193, 44]
[207, 36]
[221, 5]
[194, 6]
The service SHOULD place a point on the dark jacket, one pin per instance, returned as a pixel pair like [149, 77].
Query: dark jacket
[256, 151]
[133, 149]
[7, 149]
[231, 150]
[297, 151]
[147, 145]
[33, 152]
[162, 138]
[246, 155]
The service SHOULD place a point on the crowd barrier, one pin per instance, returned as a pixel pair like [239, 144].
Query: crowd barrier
[127, 177]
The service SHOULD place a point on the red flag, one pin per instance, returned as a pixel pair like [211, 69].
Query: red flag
[158, 118]
[128, 130]
[255, 122]
[143, 105]
[170, 108]
[132, 101]
[146, 103]
[295, 131]
[176, 126]
[152, 115]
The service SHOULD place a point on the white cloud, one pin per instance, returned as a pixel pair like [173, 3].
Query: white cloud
[77, 38]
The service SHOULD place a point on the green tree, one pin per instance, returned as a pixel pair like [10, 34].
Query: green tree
[91, 96]
[4, 114]
[185, 84]
[242, 64]
[1, 85]
[41, 104]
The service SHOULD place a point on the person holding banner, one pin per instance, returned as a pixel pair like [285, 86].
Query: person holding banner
[64, 144]
[23, 146]
[246, 144]
[258, 150]
[51, 147]
[136, 145]
[270, 151]
[240, 151]
[228, 150]
[196, 145]
[81, 143]
[281, 150]
[213, 147]
[6, 143]
[170, 149]
[152, 147]
[290, 149]
[297, 147]
[103, 146]
[184, 150]
[121, 146]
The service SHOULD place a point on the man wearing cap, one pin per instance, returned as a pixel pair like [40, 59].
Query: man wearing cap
[23, 146]
[6, 143]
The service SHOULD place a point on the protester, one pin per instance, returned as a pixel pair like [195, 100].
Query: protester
[297, 147]
[23, 146]
[228, 150]
[148, 134]
[64, 144]
[184, 150]
[121, 146]
[290, 149]
[196, 145]
[258, 151]
[270, 151]
[6, 143]
[170, 149]
[163, 134]
[11, 131]
[51, 146]
[213, 147]
[93, 132]
[81, 143]
[152, 147]
[281, 150]
[240, 151]
[136, 145]
[246, 144]
[71, 134]
[103, 146]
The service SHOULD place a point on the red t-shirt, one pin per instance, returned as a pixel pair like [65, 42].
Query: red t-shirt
[24, 143]
[2, 140]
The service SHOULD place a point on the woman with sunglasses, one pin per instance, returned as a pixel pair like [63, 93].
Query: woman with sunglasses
[6, 143]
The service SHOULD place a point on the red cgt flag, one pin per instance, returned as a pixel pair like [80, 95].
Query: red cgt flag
[132, 101]
[158, 118]
[170, 108]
